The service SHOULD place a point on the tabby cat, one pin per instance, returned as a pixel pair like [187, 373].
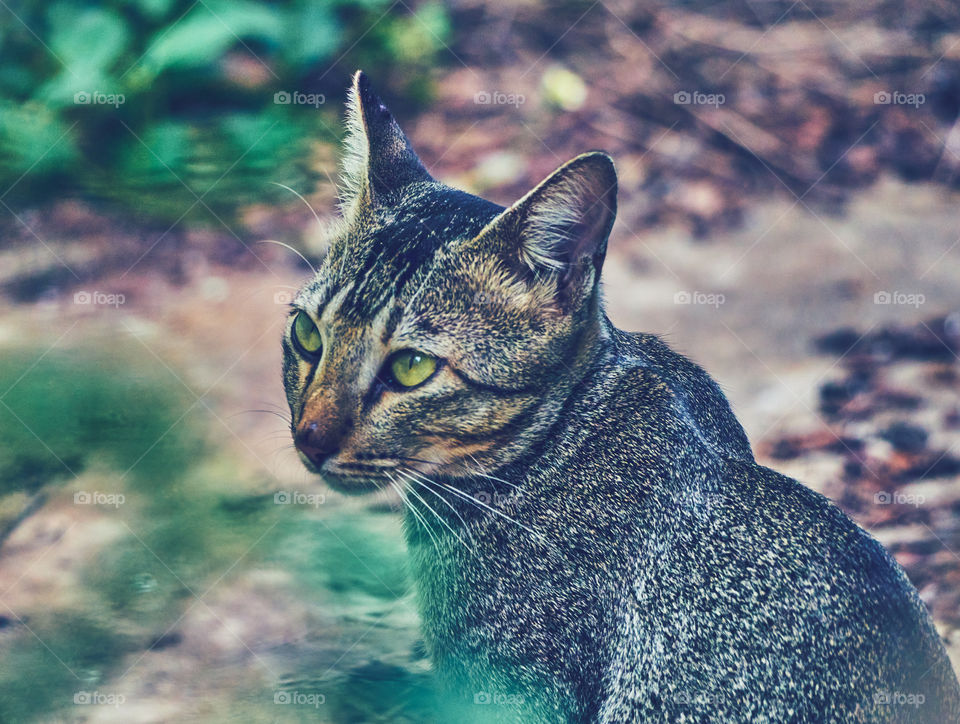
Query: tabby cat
[591, 538]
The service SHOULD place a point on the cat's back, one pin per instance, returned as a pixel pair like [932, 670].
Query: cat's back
[744, 593]
[744, 580]
[759, 600]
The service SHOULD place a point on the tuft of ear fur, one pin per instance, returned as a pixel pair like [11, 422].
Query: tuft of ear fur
[378, 159]
[568, 216]
[562, 225]
[356, 153]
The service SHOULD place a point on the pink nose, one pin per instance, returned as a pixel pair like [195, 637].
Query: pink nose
[317, 443]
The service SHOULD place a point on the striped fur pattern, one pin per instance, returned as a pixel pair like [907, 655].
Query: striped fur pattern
[591, 537]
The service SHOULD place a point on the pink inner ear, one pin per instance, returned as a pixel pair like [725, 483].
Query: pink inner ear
[569, 216]
[592, 226]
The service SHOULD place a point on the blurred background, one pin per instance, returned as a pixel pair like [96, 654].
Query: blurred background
[788, 218]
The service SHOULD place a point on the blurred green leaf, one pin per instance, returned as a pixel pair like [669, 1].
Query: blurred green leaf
[155, 9]
[347, 554]
[86, 38]
[33, 139]
[210, 29]
[64, 413]
[196, 82]
[128, 425]
[424, 33]
[77, 653]
[314, 32]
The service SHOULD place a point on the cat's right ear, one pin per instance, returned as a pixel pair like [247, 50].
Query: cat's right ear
[559, 230]
[378, 159]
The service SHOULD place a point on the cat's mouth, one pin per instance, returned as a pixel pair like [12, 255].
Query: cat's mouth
[370, 473]
[352, 478]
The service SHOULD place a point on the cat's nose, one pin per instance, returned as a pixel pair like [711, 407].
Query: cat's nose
[317, 443]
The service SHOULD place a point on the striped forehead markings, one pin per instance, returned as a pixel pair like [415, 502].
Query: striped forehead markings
[386, 269]
[382, 258]
[332, 307]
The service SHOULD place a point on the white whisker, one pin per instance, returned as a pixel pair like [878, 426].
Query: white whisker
[287, 246]
[476, 471]
[422, 480]
[480, 503]
[297, 194]
[480, 471]
[415, 512]
[430, 508]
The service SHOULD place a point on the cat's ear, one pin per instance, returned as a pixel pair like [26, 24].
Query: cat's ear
[378, 158]
[561, 227]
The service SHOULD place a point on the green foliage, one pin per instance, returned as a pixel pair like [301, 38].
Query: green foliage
[347, 555]
[130, 428]
[182, 530]
[64, 413]
[79, 652]
[150, 104]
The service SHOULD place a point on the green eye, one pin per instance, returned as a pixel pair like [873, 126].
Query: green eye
[306, 336]
[410, 368]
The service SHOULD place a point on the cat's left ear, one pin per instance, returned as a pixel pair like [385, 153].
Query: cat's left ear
[378, 157]
[561, 227]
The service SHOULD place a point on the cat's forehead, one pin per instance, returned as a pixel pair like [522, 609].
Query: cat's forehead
[376, 264]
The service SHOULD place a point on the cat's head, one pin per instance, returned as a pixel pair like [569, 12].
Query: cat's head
[442, 332]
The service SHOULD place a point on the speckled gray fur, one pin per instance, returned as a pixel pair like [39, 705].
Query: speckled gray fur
[674, 578]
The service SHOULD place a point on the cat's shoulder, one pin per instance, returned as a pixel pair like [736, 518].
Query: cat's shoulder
[645, 366]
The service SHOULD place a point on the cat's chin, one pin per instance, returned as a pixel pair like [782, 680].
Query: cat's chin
[349, 484]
